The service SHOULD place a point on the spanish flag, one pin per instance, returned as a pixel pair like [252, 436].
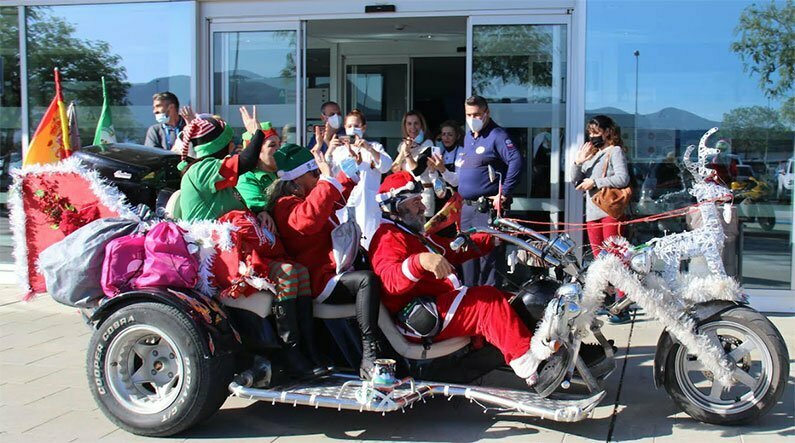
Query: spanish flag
[50, 143]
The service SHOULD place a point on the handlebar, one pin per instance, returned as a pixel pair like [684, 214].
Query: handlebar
[461, 239]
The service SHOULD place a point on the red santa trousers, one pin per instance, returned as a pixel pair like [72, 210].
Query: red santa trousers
[484, 310]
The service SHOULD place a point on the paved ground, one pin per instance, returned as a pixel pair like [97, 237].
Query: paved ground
[44, 397]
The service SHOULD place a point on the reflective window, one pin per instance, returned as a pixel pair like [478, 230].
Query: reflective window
[379, 91]
[256, 68]
[10, 117]
[668, 71]
[521, 71]
[132, 46]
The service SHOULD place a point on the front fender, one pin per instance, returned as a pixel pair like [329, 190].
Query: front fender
[219, 337]
[703, 312]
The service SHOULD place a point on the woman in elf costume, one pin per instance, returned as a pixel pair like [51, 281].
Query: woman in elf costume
[257, 260]
[305, 199]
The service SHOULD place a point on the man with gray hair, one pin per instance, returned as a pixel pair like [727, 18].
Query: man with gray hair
[163, 134]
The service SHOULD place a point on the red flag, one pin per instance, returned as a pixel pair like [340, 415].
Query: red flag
[50, 143]
[448, 215]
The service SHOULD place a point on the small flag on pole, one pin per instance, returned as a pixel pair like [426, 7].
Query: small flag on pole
[105, 133]
[74, 133]
[50, 143]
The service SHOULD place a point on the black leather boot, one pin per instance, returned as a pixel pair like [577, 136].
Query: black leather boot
[285, 316]
[306, 323]
[371, 348]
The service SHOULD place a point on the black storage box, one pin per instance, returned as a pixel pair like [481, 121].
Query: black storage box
[145, 175]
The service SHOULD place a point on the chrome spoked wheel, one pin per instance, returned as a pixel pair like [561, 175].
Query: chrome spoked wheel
[753, 373]
[144, 369]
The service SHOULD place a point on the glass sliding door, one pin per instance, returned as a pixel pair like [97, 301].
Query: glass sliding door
[520, 66]
[380, 89]
[257, 64]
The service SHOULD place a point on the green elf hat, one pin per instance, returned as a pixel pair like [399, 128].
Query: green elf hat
[266, 127]
[293, 161]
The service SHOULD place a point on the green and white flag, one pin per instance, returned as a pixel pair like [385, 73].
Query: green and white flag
[105, 133]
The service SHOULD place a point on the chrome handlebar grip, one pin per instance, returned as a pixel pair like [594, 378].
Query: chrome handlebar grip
[458, 243]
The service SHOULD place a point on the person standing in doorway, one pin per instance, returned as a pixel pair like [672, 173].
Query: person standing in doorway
[413, 156]
[331, 115]
[164, 133]
[448, 154]
[485, 144]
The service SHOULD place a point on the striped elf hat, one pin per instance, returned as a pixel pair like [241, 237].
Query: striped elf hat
[207, 134]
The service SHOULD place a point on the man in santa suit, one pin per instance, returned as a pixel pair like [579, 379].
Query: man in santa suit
[417, 272]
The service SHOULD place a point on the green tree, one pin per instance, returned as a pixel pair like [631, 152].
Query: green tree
[752, 129]
[51, 43]
[511, 54]
[766, 46]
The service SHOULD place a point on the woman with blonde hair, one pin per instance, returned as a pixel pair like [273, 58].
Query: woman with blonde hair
[414, 155]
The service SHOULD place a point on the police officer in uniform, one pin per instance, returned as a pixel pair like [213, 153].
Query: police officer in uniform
[485, 143]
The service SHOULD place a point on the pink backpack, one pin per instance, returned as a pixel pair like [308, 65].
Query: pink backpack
[168, 261]
[124, 261]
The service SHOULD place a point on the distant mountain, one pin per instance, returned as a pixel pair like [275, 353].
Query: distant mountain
[666, 118]
[140, 94]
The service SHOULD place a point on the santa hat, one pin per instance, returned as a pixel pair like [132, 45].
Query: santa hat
[293, 161]
[206, 134]
[267, 129]
[396, 189]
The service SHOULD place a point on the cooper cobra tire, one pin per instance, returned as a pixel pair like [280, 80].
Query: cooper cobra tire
[147, 373]
[762, 361]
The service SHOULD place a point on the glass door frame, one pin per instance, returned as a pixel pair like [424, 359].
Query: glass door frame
[572, 92]
[230, 25]
[375, 60]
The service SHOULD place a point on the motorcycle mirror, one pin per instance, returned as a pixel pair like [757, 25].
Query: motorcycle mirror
[492, 174]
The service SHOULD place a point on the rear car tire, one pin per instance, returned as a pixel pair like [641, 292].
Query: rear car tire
[147, 372]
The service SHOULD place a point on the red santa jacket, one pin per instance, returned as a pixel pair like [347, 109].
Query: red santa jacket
[305, 229]
[395, 252]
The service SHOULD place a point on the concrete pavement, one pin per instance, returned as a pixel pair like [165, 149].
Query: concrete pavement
[44, 397]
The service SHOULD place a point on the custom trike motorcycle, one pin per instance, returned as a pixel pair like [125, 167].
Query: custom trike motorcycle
[161, 359]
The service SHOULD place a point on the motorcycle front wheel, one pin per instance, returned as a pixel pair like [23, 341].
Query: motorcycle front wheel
[756, 345]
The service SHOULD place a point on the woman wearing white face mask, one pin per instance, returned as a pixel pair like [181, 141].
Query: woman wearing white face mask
[372, 160]
[413, 154]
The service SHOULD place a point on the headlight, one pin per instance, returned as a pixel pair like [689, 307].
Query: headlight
[563, 244]
[569, 295]
[641, 262]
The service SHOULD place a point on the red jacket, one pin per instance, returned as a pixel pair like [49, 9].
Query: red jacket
[394, 253]
[305, 229]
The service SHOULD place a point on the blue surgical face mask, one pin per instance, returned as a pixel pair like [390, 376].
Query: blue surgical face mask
[335, 121]
[420, 137]
[350, 132]
[161, 118]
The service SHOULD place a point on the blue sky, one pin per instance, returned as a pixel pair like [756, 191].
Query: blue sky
[685, 58]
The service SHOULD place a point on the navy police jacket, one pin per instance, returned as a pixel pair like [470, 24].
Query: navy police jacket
[491, 147]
